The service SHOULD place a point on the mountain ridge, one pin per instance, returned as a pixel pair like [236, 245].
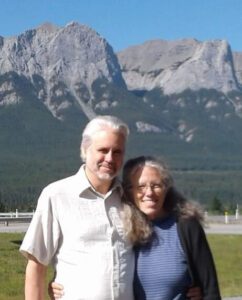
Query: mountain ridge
[206, 64]
[181, 99]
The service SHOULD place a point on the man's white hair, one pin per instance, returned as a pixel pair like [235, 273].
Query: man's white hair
[100, 123]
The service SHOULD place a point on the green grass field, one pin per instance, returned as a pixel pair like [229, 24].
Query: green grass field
[12, 267]
[227, 251]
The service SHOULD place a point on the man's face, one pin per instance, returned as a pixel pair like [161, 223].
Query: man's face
[104, 157]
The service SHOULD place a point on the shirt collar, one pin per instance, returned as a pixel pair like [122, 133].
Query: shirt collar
[84, 184]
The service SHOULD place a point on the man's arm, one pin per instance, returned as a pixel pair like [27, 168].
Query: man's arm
[35, 280]
[194, 293]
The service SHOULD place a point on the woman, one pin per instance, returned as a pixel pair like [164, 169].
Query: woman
[176, 254]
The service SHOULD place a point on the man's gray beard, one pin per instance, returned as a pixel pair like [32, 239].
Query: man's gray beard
[106, 177]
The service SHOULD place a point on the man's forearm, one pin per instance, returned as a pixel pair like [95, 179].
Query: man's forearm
[35, 280]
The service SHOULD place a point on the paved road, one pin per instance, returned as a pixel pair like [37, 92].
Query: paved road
[14, 227]
[220, 228]
[233, 298]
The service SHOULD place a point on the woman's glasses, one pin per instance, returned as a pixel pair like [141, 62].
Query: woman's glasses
[155, 187]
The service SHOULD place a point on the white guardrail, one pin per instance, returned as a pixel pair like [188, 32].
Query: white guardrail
[16, 216]
[25, 217]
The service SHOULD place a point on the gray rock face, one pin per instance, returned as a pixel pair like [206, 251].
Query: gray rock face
[175, 66]
[144, 127]
[74, 55]
[64, 64]
[237, 59]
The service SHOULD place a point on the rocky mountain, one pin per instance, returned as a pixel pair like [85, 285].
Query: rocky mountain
[175, 66]
[189, 76]
[181, 99]
[237, 60]
[60, 63]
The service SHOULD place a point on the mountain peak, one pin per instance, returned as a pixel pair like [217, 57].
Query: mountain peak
[47, 27]
[175, 66]
[65, 58]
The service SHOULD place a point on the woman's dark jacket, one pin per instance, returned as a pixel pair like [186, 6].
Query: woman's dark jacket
[199, 256]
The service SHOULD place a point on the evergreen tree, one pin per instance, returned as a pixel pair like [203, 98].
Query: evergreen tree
[216, 206]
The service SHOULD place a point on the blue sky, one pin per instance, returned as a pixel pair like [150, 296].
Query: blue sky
[124, 23]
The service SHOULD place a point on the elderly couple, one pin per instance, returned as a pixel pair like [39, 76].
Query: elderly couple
[107, 241]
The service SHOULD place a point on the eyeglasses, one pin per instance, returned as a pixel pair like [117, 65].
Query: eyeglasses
[155, 187]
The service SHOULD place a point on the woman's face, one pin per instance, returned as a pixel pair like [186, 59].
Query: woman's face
[148, 191]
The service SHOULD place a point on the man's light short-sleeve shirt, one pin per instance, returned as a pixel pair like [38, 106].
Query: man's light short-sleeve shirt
[81, 233]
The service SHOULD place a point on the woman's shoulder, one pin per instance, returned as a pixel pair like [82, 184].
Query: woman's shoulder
[189, 224]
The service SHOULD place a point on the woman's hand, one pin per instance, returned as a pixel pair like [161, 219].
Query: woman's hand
[55, 290]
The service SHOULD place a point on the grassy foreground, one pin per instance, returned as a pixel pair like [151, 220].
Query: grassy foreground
[227, 251]
[12, 267]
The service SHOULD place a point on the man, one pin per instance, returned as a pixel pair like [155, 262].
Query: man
[77, 226]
